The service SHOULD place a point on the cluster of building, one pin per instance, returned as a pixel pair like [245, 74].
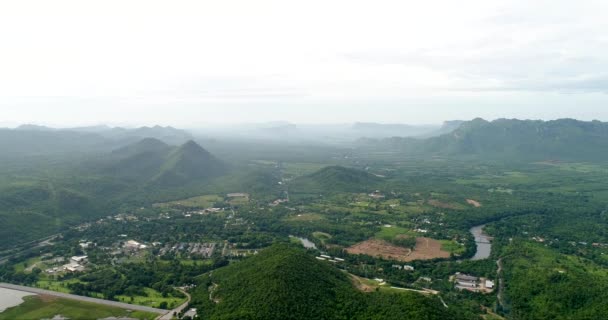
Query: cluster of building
[132, 245]
[404, 267]
[324, 257]
[76, 264]
[472, 283]
[204, 250]
[377, 195]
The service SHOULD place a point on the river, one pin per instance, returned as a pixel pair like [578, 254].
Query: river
[306, 243]
[483, 242]
[11, 298]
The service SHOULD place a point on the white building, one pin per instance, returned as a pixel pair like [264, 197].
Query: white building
[78, 259]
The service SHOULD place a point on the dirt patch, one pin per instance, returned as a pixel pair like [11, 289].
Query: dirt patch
[379, 248]
[426, 249]
[361, 285]
[442, 205]
[474, 203]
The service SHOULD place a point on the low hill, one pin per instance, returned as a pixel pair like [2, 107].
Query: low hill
[335, 179]
[283, 282]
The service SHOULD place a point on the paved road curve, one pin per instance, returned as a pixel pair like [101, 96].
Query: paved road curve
[81, 298]
[177, 310]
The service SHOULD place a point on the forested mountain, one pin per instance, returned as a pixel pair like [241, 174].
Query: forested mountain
[35, 204]
[286, 283]
[510, 139]
[187, 163]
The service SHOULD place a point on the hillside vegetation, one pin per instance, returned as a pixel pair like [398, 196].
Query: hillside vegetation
[287, 283]
[335, 179]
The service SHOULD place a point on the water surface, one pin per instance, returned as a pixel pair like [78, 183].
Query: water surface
[483, 242]
[11, 298]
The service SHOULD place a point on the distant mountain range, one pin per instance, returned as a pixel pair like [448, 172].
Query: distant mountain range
[510, 139]
[33, 140]
[326, 133]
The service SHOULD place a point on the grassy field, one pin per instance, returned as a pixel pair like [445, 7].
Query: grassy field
[154, 299]
[204, 201]
[389, 233]
[58, 286]
[452, 247]
[38, 307]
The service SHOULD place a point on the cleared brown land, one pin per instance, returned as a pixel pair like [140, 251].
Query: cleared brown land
[426, 249]
[474, 203]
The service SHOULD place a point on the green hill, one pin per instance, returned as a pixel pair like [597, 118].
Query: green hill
[283, 282]
[335, 179]
[142, 173]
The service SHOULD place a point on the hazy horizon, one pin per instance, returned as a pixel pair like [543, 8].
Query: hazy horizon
[268, 122]
[189, 64]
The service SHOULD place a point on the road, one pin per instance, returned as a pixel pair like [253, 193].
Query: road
[169, 315]
[84, 299]
[501, 283]
[28, 246]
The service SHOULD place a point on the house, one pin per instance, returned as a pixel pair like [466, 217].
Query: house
[191, 313]
[134, 245]
[466, 281]
[376, 195]
[74, 268]
[85, 245]
[78, 259]
[408, 268]
[489, 284]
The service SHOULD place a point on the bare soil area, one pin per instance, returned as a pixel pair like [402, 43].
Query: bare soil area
[426, 249]
[474, 203]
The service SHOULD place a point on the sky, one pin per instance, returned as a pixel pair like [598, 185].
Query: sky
[197, 63]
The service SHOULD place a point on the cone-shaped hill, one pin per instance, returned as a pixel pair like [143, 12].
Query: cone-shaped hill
[189, 162]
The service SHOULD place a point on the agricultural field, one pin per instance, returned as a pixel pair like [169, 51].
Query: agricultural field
[204, 201]
[39, 307]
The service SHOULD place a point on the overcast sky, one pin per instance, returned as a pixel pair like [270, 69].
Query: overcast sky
[193, 63]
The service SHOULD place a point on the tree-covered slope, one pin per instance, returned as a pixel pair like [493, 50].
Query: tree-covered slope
[335, 179]
[189, 162]
[283, 282]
